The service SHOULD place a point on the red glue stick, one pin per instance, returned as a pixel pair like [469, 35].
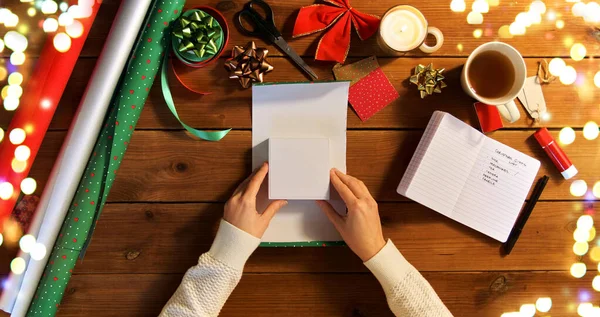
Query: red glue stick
[556, 154]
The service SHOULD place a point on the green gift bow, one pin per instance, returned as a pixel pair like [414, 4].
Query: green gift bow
[199, 34]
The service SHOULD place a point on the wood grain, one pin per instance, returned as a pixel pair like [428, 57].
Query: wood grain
[230, 106]
[168, 238]
[346, 295]
[541, 40]
[170, 166]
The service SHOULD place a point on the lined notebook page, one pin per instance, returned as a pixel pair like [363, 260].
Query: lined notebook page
[446, 165]
[475, 180]
[494, 194]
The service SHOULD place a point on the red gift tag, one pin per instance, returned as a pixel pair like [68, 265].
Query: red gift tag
[489, 117]
[371, 94]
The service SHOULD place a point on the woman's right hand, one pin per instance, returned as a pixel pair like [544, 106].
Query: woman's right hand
[360, 227]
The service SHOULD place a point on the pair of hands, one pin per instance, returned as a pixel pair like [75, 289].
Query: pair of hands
[360, 227]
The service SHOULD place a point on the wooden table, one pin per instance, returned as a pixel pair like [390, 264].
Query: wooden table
[168, 198]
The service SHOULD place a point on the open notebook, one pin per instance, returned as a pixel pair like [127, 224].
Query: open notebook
[468, 177]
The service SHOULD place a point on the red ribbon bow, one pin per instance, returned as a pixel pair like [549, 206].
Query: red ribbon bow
[335, 43]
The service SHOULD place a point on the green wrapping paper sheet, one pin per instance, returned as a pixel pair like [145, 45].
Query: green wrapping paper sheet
[102, 167]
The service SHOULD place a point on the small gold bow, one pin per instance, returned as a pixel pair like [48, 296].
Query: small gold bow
[428, 80]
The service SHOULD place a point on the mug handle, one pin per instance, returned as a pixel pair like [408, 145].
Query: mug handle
[510, 111]
[439, 40]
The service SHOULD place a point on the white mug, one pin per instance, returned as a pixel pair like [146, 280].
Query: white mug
[404, 28]
[506, 104]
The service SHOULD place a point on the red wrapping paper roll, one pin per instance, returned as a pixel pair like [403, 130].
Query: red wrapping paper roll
[37, 106]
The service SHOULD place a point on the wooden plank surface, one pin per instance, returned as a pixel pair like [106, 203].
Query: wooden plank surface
[345, 295]
[168, 238]
[170, 166]
[230, 106]
[167, 200]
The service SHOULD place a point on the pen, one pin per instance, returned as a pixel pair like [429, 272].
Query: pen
[516, 231]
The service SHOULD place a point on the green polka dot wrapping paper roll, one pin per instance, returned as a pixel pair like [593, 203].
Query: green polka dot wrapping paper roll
[94, 187]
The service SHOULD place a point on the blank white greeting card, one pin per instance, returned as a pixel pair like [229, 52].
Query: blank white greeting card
[299, 168]
[300, 110]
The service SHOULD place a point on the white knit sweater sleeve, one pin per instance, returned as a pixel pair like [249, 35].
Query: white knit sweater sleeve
[206, 286]
[407, 291]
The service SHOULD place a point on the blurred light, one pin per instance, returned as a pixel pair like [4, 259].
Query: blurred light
[16, 136]
[11, 103]
[38, 251]
[31, 11]
[523, 19]
[592, 12]
[568, 41]
[1, 137]
[578, 52]
[49, 7]
[592, 234]
[17, 266]
[477, 33]
[85, 11]
[458, 6]
[23, 28]
[474, 18]
[460, 47]
[3, 73]
[6, 190]
[62, 42]
[504, 32]
[4, 92]
[17, 58]
[596, 283]
[543, 304]
[4, 13]
[480, 6]
[45, 104]
[74, 11]
[590, 130]
[584, 309]
[15, 41]
[551, 15]
[581, 235]
[63, 6]
[534, 18]
[538, 7]
[578, 188]
[527, 310]
[22, 153]
[566, 135]
[595, 254]
[580, 248]
[50, 25]
[28, 186]
[1, 45]
[512, 314]
[26, 243]
[516, 29]
[11, 20]
[568, 75]
[1, 239]
[578, 9]
[15, 79]
[86, 3]
[578, 270]
[75, 29]
[65, 19]
[595, 189]
[560, 24]
[597, 79]
[18, 166]
[585, 222]
[556, 66]
[493, 3]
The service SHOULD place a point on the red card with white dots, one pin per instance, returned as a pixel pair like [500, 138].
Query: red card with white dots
[371, 94]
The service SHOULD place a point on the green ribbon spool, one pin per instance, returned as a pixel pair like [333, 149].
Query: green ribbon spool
[198, 36]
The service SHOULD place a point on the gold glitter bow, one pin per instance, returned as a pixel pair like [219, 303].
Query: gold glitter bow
[428, 80]
[248, 64]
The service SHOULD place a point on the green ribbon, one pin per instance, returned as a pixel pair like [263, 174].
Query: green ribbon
[164, 83]
[199, 35]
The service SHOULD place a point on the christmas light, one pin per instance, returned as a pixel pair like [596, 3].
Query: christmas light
[11, 20]
[65, 19]
[585, 309]
[578, 9]
[1, 134]
[568, 75]
[544, 304]
[22, 153]
[75, 29]
[17, 266]
[516, 28]
[31, 11]
[15, 78]
[597, 79]
[595, 189]
[523, 19]
[592, 12]
[16, 136]
[527, 310]
[50, 25]
[538, 7]
[11, 103]
[28, 186]
[18, 166]
[566, 135]
[578, 188]
[38, 252]
[477, 33]
[17, 58]
[458, 6]
[560, 24]
[26, 243]
[578, 52]
[15, 41]
[480, 6]
[590, 130]
[6, 190]
[585, 222]
[49, 7]
[62, 42]
[580, 248]
[474, 18]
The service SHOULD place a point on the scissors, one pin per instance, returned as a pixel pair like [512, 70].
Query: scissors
[265, 28]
